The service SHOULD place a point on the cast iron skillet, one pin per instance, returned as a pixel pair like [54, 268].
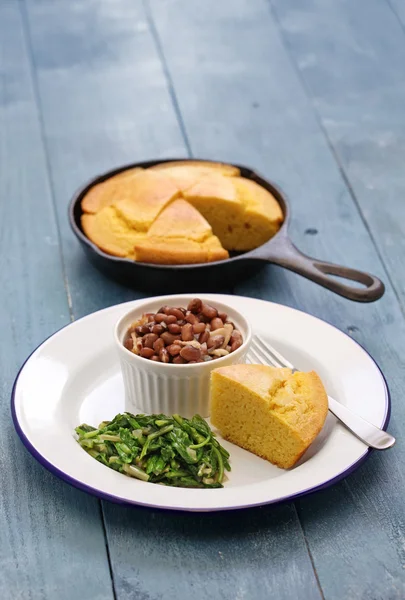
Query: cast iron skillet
[209, 276]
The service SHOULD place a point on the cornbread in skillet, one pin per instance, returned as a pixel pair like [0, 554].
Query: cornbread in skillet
[111, 233]
[180, 219]
[187, 173]
[180, 235]
[234, 213]
[141, 204]
[179, 251]
[216, 198]
[117, 227]
[262, 216]
[108, 191]
[271, 412]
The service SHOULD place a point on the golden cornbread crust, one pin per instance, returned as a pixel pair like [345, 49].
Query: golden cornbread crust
[271, 412]
[106, 193]
[178, 251]
[205, 208]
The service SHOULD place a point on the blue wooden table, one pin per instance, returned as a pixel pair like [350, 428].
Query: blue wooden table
[312, 94]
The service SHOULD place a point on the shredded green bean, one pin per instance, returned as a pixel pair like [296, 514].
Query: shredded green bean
[171, 451]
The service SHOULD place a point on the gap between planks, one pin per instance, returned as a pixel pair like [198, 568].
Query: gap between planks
[38, 107]
[176, 107]
[339, 165]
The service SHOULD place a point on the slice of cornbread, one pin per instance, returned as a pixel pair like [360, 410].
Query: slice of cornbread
[271, 412]
[179, 251]
[216, 198]
[141, 203]
[109, 232]
[262, 215]
[180, 235]
[105, 193]
[187, 173]
[180, 220]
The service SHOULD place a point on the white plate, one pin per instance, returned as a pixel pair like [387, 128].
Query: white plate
[74, 377]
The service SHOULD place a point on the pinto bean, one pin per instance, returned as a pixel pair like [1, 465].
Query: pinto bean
[187, 333]
[179, 360]
[158, 345]
[204, 336]
[141, 330]
[147, 352]
[169, 338]
[209, 311]
[195, 306]
[198, 327]
[176, 312]
[236, 340]
[216, 323]
[129, 343]
[159, 317]
[149, 339]
[174, 349]
[190, 353]
[191, 318]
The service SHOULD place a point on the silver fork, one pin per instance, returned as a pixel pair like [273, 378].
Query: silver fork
[368, 433]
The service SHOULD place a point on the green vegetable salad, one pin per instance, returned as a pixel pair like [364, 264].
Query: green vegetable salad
[168, 450]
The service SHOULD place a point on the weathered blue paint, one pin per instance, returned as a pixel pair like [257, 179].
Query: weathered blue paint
[278, 85]
[52, 540]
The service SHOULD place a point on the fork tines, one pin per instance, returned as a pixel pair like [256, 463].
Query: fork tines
[264, 353]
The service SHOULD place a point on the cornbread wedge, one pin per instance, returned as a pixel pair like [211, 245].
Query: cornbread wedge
[271, 412]
[242, 213]
[180, 235]
[106, 193]
[109, 232]
[179, 251]
[187, 173]
[262, 216]
[144, 201]
[216, 198]
[180, 219]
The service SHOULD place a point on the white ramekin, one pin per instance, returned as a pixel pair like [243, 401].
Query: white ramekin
[154, 387]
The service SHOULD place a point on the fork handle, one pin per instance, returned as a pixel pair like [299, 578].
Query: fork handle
[365, 431]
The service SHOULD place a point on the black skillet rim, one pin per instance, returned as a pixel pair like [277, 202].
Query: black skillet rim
[75, 212]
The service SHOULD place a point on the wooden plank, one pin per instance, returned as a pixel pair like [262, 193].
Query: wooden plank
[398, 8]
[363, 118]
[243, 554]
[42, 520]
[241, 99]
[105, 102]
[116, 64]
[353, 70]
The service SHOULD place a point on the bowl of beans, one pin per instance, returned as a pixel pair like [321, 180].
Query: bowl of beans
[168, 348]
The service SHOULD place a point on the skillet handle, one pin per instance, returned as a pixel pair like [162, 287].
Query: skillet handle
[283, 252]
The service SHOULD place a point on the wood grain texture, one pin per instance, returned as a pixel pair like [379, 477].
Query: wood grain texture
[42, 520]
[259, 113]
[243, 554]
[104, 102]
[398, 8]
[352, 68]
[105, 99]
[136, 536]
